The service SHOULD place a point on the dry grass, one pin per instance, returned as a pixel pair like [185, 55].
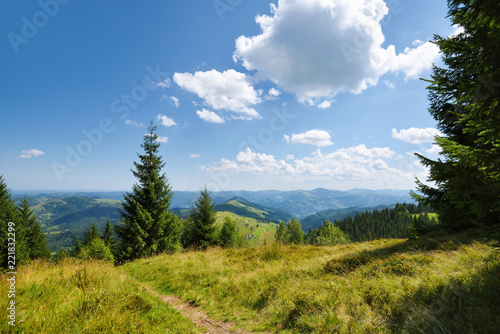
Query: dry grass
[386, 286]
[86, 297]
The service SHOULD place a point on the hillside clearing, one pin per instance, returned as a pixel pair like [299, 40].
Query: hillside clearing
[438, 285]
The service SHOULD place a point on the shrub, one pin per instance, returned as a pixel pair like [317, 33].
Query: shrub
[97, 250]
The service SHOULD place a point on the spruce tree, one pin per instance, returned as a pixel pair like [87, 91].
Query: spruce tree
[203, 218]
[228, 236]
[295, 235]
[22, 244]
[281, 234]
[464, 98]
[147, 226]
[76, 251]
[91, 234]
[107, 236]
[61, 255]
[36, 243]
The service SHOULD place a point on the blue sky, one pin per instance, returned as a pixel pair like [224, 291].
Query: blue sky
[246, 94]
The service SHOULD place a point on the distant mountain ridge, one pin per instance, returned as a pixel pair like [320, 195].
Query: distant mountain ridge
[300, 203]
[303, 203]
[242, 207]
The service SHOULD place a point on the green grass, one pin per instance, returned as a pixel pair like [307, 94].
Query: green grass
[441, 284]
[263, 232]
[434, 285]
[86, 297]
[431, 215]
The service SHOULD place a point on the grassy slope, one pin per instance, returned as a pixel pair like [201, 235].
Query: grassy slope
[385, 286]
[438, 285]
[263, 232]
[86, 297]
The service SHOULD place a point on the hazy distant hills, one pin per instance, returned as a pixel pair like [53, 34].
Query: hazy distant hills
[300, 203]
[65, 216]
[244, 208]
[75, 212]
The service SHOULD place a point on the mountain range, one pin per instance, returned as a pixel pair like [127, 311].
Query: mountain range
[300, 203]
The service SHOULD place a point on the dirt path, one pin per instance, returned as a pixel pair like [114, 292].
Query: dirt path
[199, 317]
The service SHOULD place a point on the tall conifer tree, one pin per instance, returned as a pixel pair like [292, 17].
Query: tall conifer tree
[148, 227]
[91, 234]
[294, 232]
[35, 239]
[465, 97]
[203, 218]
[107, 236]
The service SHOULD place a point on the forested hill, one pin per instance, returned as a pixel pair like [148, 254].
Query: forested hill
[316, 220]
[242, 207]
[64, 220]
[302, 203]
[398, 222]
[69, 212]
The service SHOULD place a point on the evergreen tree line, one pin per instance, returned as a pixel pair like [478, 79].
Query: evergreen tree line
[399, 222]
[29, 241]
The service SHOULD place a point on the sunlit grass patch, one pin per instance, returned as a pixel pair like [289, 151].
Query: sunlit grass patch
[86, 297]
[384, 286]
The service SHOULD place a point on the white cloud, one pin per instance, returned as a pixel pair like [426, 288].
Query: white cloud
[354, 165]
[165, 121]
[325, 104]
[228, 90]
[273, 94]
[209, 116]
[318, 48]
[175, 101]
[165, 83]
[413, 62]
[194, 155]
[435, 149]
[28, 154]
[416, 135]
[389, 84]
[319, 138]
[161, 139]
[133, 123]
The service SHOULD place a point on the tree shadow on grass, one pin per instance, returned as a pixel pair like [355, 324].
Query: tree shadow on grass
[460, 304]
[431, 242]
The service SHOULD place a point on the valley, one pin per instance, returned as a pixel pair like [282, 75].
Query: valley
[65, 217]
